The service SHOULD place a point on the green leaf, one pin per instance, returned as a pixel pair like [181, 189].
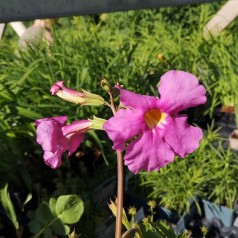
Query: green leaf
[43, 214]
[28, 113]
[52, 204]
[28, 198]
[34, 226]
[150, 234]
[67, 229]
[165, 230]
[8, 206]
[98, 141]
[23, 79]
[47, 233]
[31, 214]
[59, 228]
[69, 208]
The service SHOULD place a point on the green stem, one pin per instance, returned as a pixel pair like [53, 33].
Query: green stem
[111, 105]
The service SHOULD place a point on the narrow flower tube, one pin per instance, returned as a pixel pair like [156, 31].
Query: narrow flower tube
[77, 127]
[70, 95]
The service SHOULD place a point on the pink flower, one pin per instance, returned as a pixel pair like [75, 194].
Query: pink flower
[56, 137]
[157, 131]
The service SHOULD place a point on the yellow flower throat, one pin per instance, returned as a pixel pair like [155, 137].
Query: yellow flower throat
[154, 117]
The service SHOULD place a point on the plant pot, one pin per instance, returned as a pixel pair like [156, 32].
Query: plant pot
[225, 121]
[179, 223]
[104, 192]
[187, 218]
[233, 140]
[224, 214]
[106, 229]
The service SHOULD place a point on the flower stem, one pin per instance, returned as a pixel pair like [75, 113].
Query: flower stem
[118, 231]
[119, 194]
[111, 104]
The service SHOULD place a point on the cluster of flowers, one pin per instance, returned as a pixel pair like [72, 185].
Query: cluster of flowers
[157, 129]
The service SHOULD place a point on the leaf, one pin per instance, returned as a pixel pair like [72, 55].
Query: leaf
[31, 214]
[47, 233]
[23, 79]
[69, 208]
[98, 141]
[34, 226]
[165, 230]
[8, 206]
[43, 214]
[52, 204]
[59, 228]
[28, 198]
[28, 113]
[151, 234]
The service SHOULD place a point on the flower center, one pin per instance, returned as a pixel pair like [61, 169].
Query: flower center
[154, 117]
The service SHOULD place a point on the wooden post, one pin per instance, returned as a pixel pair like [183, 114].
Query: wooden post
[222, 18]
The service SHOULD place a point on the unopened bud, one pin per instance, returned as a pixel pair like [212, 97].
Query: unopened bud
[71, 95]
[105, 84]
[151, 204]
[92, 99]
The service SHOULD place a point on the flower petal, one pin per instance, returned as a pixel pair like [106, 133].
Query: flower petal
[182, 137]
[124, 125]
[74, 143]
[60, 119]
[53, 159]
[59, 86]
[180, 90]
[148, 152]
[134, 100]
[49, 135]
[76, 127]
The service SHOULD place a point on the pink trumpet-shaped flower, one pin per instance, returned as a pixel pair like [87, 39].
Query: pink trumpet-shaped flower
[56, 137]
[161, 133]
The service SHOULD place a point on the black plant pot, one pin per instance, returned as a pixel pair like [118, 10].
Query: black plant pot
[225, 121]
[186, 221]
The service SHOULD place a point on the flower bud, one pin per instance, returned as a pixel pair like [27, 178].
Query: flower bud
[92, 99]
[70, 95]
[132, 211]
[105, 84]
[151, 204]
